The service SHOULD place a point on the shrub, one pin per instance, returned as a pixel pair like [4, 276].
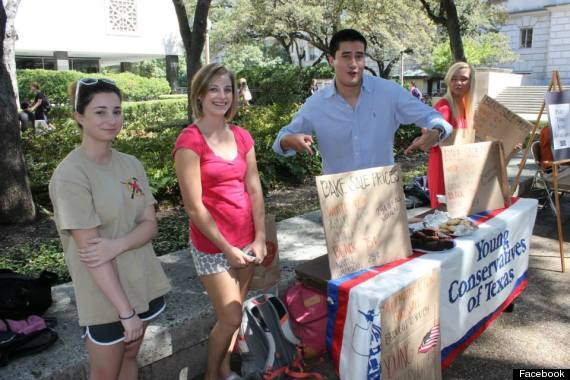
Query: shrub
[282, 84]
[264, 123]
[55, 84]
[138, 137]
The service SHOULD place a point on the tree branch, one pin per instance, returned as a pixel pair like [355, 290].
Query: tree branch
[438, 19]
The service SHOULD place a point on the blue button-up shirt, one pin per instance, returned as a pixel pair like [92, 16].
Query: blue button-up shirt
[363, 137]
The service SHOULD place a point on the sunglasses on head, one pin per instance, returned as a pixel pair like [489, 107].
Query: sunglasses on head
[89, 82]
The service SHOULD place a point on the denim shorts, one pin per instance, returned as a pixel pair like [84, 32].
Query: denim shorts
[112, 333]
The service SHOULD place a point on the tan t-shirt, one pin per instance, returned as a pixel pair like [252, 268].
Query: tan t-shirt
[109, 197]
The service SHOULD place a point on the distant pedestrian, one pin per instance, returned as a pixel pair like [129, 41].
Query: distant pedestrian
[314, 86]
[244, 93]
[41, 105]
[415, 91]
[26, 117]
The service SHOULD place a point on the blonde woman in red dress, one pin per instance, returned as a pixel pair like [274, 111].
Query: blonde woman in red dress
[457, 109]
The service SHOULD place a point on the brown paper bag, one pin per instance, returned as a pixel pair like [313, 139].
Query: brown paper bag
[268, 272]
[364, 218]
[475, 178]
[459, 137]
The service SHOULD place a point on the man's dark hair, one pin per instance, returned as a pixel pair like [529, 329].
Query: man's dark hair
[343, 36]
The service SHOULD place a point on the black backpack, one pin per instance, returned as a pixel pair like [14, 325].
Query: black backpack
[23, 295]
[13, 345]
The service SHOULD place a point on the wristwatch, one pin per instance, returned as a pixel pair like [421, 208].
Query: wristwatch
[441, 131]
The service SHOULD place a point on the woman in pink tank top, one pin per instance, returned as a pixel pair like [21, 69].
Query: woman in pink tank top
[221, 190]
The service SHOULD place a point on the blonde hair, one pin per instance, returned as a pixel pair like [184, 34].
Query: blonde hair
[200, 84]
[468, 99]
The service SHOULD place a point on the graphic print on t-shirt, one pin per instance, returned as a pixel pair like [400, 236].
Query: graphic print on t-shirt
[134, 187]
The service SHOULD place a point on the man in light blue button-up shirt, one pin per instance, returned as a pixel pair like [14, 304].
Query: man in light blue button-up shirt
[355, 118]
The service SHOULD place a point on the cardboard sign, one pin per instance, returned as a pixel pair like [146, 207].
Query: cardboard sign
[475, 178]
[364, 218]
[411, 337]
[495, 122]
[558, 106]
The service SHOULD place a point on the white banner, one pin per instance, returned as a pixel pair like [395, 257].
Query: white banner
[478, 279]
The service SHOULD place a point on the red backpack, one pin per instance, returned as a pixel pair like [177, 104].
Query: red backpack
[308, 311]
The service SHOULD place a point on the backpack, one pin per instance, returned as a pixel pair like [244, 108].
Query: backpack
[266, 343]
[417, 192]
[308, 309]
[14, 345]
[23, 295]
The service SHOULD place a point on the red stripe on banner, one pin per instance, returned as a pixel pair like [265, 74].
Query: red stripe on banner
[496, 212]
[343, 294]
[453, 355]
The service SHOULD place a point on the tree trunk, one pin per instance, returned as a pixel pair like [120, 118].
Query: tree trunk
[11, 7]
[451, 22]
[453, 30]
[193, 40]
[199, 29]
[16, 203]
[282, 41]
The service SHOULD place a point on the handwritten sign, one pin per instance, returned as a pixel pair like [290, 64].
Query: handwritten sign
[475, 178]
[558, 105]
[410, 331]
[495, 122]
[364, 218]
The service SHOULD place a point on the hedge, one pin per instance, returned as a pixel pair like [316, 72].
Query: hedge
[150, 130]
[55, 84]
[282, 84]
[138, 137]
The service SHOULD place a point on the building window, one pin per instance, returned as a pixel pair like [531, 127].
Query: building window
[46, 63]
[84, 65]
[122, 16]
[526, 38]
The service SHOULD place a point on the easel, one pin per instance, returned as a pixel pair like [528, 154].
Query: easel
[554, 85]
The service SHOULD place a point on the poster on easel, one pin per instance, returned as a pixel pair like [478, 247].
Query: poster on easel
[495, 122]
[475, 178]
[364, 218]
[558, 109]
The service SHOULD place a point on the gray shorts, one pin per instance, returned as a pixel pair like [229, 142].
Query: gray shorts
[208, 263]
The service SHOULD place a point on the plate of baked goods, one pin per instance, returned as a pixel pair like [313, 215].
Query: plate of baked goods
[456, 227]
[440, 221]
[431, 240]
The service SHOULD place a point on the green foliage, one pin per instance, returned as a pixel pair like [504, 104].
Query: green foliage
[139, 137]
[149, 132]
[238, 57]
[486, 49]
[150, 68]
[33, 257]
[282, 84]
[264, 123]
[55, 84]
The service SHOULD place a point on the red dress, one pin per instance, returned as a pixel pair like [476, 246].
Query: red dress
[436, 183]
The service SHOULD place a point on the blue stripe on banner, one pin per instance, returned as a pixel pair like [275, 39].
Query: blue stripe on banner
[332, 298]
[480, 215]
[449, 349]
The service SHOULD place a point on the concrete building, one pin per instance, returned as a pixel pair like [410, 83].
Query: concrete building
[539, 31]
[85, 35]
